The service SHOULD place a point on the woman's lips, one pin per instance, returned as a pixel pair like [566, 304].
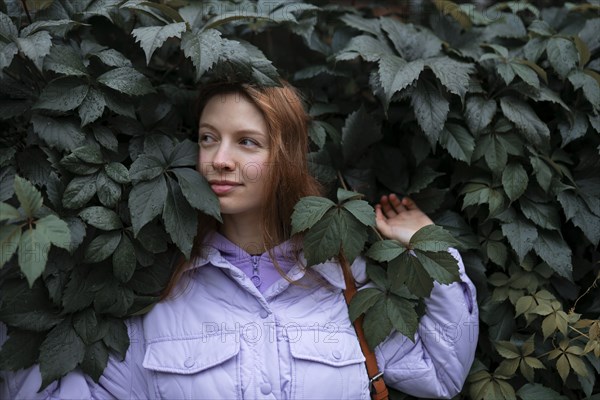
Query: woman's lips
[222, 188]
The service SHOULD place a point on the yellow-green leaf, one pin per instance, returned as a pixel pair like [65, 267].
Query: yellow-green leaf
[562, 365]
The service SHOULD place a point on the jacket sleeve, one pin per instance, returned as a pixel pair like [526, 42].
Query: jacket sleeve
[437, 363]
[125, 379]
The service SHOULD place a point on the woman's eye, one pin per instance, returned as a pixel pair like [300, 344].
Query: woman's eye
[204, 138]
[248, 142]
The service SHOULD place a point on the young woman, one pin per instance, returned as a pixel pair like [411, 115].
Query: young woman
[245, 318]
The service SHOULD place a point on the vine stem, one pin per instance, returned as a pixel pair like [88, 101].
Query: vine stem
[24, 3]
[593, 285]
[343, 183]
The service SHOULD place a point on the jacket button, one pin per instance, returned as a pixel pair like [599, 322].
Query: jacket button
[189, 362]
[336, 354]
[264, 314]
[265, 388]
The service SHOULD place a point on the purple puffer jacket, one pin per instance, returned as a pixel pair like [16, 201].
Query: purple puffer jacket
[221, 338]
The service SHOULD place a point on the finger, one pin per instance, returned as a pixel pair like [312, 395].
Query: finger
[387, 208]
[381, 223]
[396, 203]
[409, 203]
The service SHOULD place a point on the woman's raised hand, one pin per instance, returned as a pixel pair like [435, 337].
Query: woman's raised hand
[399, 219]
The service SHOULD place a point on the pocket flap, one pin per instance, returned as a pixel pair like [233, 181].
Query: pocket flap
[337, 350]
[189, 356]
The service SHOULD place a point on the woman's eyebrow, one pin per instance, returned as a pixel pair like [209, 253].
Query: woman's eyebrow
[239, 131]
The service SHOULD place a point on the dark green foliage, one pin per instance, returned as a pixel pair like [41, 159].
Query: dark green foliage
[489, 119]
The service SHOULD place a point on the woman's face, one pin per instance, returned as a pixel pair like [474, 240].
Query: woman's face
[234, 152]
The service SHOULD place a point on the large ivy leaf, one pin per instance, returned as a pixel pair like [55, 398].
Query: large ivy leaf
[95, 360]
[203, 48]
[35, 46]
[116, 337]
[323, 240]
[385, 250]
[551, 247]
[92, 106]
[562, 55]
[359, 132]
[412, 42]
[60, 353]
[431, 109]
[197, 192]
[146, 201]
[56, 230]
[146, 167]
[362, 211]
[408, 270]
[589, 85]
[458, 141]
[521, 235]
[368, 47]
[124, 261]
[395, 74]
[27, 308]
[62, 133]
[376, 324]
[514, 180]
[65, 60]
[537, 391]
[62, 95]
[441, 266]
[526, 120]
[402, 315]
[79, 191]
[432, 238]
[153, 37]
[452, 74]
[101, 218]
[308, 211]
[362, 301]
[10, 237]
[29, 197]
[126, 80]
[33, 254]
[102, 247]
[20, 350]
[179, 218]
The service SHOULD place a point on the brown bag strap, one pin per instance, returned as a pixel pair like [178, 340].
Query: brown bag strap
[377, 385]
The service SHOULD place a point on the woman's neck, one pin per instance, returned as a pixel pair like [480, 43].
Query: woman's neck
[243, 231]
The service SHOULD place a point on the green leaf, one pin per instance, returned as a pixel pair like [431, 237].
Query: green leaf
[184, 154]
[124, 261]
[88, 327]
[574, 128]
[10, 236]
[20, 350]
[362, 211]
[109, 192]
[153, 37]
[35, 47]
[408, 269]
[29, 197]
[527, 74]
[368, 47]
[56, 230]
[197, 192]
[33, 254]
[521, 235]
[61, 133]
[62, 95]
[354, 235]
[431, 109]
[362, 301]
[145, 168]
[112, 58]
[376, 324]
[146, 201]
[395, 74]
[60, 353]
[359, 132]
[432, 238]
[101, 218]
[385, 250]
[452, 74]
[95, 360]
[412, 42]
[514, 180]
[308, 211]
[441, 266]
[543, 173]
[402, 314]
[537, 391]
[203, 48]
[92, 106]
[180, 218]
[113, 299]
[105, 137]
[542, 214]
[117, 338]
[551, 247]
[458, 141]
[102, 247]
[422, 178]
[90, 154]
[589, 85]
[526, 120]
[7, 27]
[562, 55]
[117, 172]
[65, 60]
[126, 80]
[323, 240]
[79, 191]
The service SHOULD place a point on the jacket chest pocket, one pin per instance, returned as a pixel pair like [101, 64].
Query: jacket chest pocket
[199, 368]
[328, 369]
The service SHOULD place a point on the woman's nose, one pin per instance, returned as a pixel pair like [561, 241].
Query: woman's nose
[223, 159]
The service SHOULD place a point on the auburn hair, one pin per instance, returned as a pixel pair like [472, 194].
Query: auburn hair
[288, 178]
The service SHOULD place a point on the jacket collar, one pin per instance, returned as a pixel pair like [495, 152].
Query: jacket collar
[222, 253]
